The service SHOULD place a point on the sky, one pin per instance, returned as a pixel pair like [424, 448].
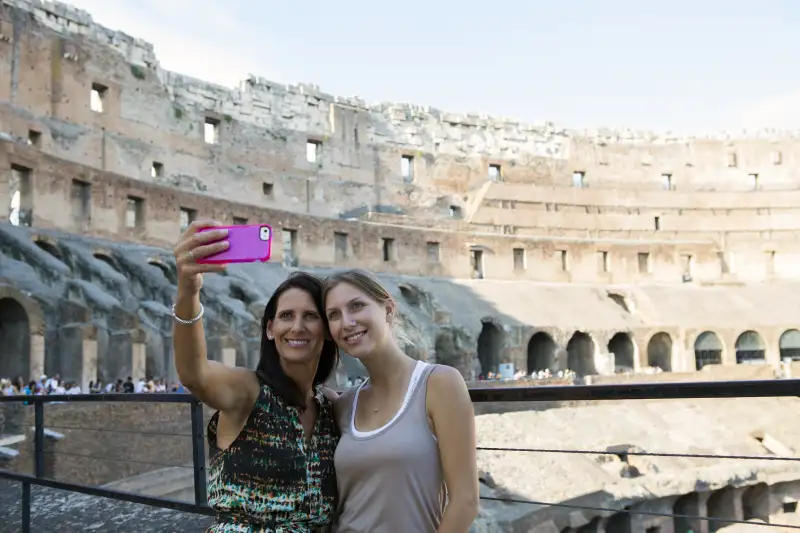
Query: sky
[684, 66]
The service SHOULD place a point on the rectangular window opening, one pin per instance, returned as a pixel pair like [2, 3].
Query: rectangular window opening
[81, 199]
[340, 245]
[388, 250]
[211, 130]
[187, 216]
[156, 170]
[98, 97]
[313, 149]
[290, 257]
[752, 180]
[21, 193]
[35, 138]
[602, 261]
[657, 223]
[455, 211]
[267, 188]
[134, 213]
[519, 259]
[240, 221]
[407, 167]
[578, 178]
[495, 172]
[432, 249]
[666, 182]
[563, 259]
[477, 264]
[644, 262]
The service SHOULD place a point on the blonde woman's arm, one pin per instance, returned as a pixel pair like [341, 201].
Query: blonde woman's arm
[453, 417]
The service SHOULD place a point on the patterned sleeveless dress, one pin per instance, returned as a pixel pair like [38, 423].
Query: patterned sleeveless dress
[268, 480]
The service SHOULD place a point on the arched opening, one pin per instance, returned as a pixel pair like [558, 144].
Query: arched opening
[620, 523]
[750, 349]
[659, 351]
[755, 502]
[789, 345]
[15, 338]
[107, 260]
[685, 507]
[165, 270]
[490, 344]
[621, 346]
[541, 353]
[721, 505]
[410, 295]
[49, 248]
[237, 293]
[707, 350]
[580, 354]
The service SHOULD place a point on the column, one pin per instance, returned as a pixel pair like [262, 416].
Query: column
[138, 355]
[37, 356]
[89, 360]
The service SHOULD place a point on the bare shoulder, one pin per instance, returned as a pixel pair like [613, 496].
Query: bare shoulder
[446, 386]
[446, 380]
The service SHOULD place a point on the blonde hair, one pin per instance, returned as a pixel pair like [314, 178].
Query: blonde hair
[369, 284]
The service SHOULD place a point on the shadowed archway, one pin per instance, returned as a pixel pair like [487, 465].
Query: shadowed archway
[659, 351]
[621, 346]
[15, 339]
[490, 345]
[580, 354]
[789, 345]
[750, 349]
[541, 353]
[707, 350]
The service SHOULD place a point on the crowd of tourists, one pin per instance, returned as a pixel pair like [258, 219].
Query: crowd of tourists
[56, 385]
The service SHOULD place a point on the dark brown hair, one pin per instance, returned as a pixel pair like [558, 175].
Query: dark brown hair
[269, 368]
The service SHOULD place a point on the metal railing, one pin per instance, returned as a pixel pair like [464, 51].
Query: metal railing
[649, 391]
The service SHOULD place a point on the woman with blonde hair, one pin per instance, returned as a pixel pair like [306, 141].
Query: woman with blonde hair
[406, 460]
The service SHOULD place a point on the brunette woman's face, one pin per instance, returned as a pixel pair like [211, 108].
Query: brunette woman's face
[358, 324]
[298, 328]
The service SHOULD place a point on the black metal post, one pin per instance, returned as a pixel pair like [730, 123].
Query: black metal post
[198, 453]
[26, 507]
[38, 439]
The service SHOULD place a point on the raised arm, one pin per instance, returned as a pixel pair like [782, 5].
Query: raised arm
[223, 388]
[453, 416]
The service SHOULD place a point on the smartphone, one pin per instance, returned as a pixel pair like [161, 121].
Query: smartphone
[246, 244]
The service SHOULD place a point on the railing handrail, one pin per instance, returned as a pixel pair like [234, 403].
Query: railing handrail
[632, 391]
[629, 391]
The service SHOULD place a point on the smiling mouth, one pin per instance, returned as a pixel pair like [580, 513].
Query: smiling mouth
[296, 343]
[354, 336]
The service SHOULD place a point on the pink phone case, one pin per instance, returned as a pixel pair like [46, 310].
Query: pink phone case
[246, 244]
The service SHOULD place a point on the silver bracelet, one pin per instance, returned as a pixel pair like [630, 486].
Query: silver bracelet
[191, 321]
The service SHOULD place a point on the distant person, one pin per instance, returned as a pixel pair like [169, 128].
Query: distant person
[406, 460]
[273, 435]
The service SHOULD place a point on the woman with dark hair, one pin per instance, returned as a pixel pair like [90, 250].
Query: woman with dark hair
[273, 435]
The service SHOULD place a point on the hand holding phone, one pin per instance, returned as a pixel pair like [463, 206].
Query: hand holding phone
[246, 244]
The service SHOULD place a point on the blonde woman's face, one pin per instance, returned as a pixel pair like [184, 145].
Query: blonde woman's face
[358, 324]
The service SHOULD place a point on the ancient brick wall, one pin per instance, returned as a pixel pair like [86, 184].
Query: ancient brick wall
[150, 435]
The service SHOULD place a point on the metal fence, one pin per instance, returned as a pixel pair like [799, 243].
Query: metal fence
[650, 391]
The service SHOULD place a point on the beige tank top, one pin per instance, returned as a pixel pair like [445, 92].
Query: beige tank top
[390, 480]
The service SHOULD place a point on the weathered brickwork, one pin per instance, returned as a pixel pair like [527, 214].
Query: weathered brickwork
[503, 242]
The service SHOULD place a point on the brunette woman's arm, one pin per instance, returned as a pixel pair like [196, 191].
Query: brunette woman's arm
[227, 389]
